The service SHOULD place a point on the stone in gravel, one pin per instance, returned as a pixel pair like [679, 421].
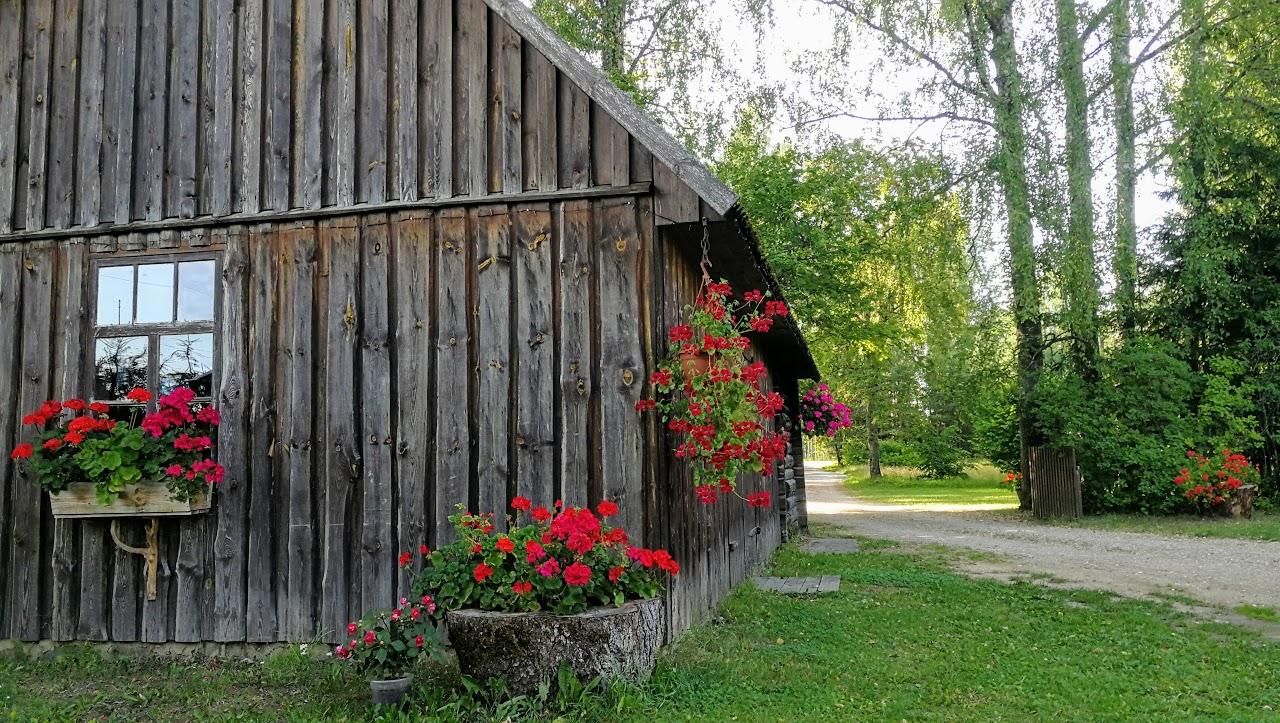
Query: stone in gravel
[835, 545]
[799, 585]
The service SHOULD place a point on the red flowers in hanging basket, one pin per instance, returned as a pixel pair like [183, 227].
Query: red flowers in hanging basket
[713, 399]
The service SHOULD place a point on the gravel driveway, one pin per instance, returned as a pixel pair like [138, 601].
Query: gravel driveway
[1220, 572]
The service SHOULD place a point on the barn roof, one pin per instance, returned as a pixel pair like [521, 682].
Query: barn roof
[665, 148]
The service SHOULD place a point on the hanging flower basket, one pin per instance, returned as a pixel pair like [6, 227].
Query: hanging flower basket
[710, 395]
[145, 499]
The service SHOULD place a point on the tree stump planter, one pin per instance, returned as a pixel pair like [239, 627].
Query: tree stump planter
[1240, 504]
[528, 648]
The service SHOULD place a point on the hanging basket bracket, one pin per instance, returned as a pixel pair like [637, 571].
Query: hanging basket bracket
[151, 553]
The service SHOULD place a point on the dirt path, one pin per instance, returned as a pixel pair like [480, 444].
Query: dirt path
[1225, 573]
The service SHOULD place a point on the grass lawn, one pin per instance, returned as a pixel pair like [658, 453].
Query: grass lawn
[903, 639]
[1263, 526]
[979, 489]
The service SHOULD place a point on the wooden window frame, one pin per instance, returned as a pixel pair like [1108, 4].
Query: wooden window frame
[153, 331]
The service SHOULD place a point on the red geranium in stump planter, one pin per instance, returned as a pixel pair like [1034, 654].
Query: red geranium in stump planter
[560, 588]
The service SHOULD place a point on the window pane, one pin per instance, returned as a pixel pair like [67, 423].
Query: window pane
[195, 291]
[155, 293]
[187, 361]
[115, 295]
[120, 364]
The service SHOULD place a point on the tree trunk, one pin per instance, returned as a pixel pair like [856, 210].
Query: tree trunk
[1011, 164]
[1080, 278]
[613, 56]
[1125, 262]
[873, 443]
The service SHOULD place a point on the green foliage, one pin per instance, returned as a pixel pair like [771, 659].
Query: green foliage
[940, 457]
[386, 644]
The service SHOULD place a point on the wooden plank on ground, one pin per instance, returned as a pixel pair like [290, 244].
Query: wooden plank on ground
[340, 460]
[453, 441]
[621, 359]
[534, 353]
[495, 367]
[261, 614]
[436, 131]
[378, 561]
[576, 277]
[371, 166]
[411, 344]
[230, 554]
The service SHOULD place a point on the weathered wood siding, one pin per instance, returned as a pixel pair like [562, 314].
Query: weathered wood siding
[120, 111]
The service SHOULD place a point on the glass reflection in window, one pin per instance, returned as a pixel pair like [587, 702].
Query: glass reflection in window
[155, 293]
[195, 291]
[120, 364]
[187, 361]
[115, 295]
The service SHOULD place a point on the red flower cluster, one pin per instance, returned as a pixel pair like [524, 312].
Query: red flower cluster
[1209, 482]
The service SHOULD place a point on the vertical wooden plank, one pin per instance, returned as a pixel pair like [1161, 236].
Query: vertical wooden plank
[340, 103]
[654, 340]
[470, 88]
[573, 124]
[25, 572]
[436, 83]
[68, 377]
[610, 149]
[62, 100]
[307, 151]
[218, 106]
[538, 126]
[296, 290]
[189, 576]
[494, 303]
[411, 280]
[376, 535]
[35, 103]
[117, 112]
[673, 201]
[506, 171]
[371, 168]
[404, 100]
[534, 352]
[156, 614]
[11, 56]
[641, 166]
[11, 272]
[621, 362]
[261, 613]
[278, 116]
[575, 276]
[230, 554]
[250, 79]
[341, 457]
[453, 440]
[149, 113]
[89, 135]
[184, 91]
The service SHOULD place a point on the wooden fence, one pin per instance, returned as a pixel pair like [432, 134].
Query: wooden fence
[1055, 483]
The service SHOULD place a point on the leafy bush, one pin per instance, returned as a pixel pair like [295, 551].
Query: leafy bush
[898, 454]
[940, 457]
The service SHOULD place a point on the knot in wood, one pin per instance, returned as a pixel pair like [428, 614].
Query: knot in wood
[582, 387]
[628, 377]
[622, 244]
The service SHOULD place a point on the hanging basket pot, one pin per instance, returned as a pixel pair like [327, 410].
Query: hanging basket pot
[695, 363]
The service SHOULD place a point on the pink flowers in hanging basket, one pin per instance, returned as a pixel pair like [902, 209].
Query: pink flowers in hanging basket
[821, 414]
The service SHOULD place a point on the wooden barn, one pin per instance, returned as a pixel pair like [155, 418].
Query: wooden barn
[418, 252]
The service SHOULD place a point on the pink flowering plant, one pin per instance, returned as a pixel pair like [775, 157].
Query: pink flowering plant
[712, 399]
[386, 644]
[79, 442]
[821, 414]
[562, 560]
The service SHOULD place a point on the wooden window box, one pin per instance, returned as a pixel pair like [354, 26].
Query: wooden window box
[145, 499]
